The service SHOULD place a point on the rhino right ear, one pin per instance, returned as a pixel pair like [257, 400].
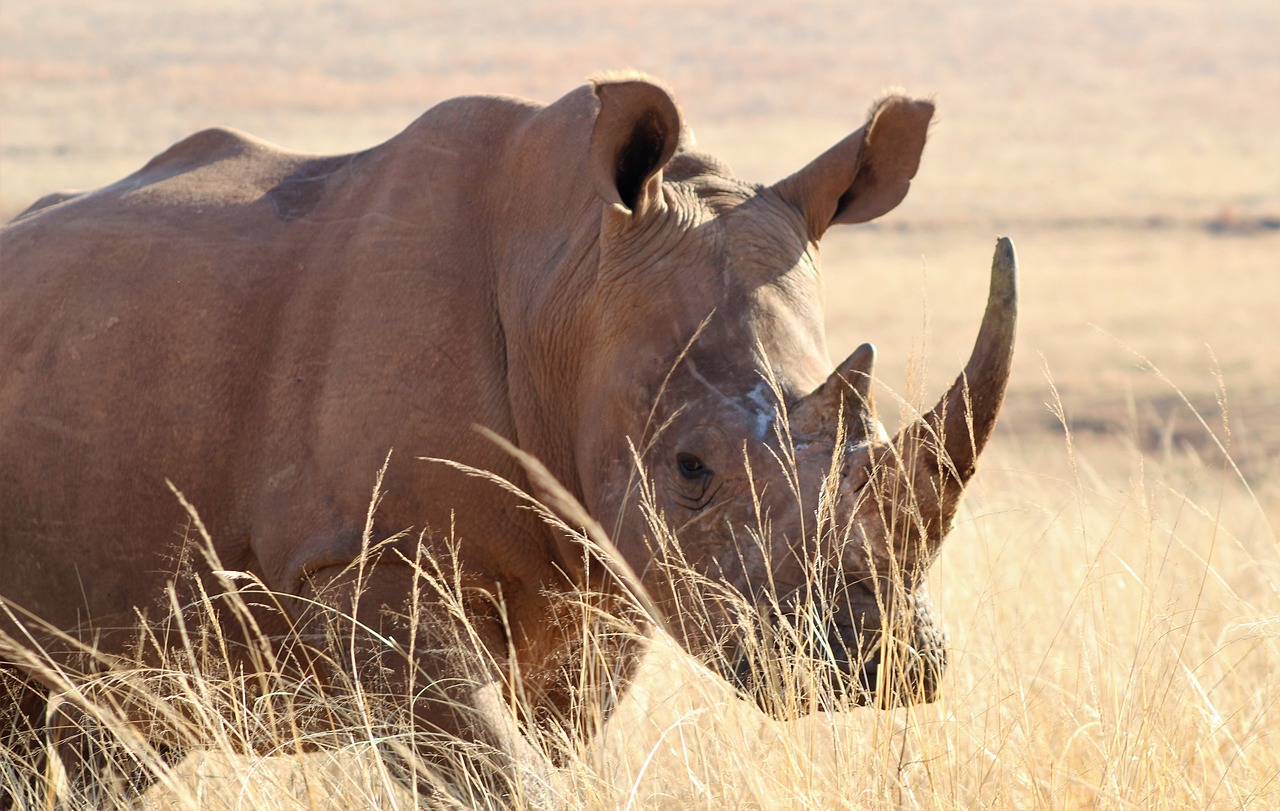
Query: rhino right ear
[865, 175]
[636, 132]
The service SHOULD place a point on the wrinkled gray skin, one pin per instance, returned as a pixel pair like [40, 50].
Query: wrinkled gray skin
[261, 328]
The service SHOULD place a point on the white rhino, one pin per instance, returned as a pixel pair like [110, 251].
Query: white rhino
[261, 328]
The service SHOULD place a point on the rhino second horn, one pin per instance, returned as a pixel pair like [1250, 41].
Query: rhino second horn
[962, 421]
[847, 388]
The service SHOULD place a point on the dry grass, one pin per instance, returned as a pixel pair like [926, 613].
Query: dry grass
[1116, 637]
[1112, 592]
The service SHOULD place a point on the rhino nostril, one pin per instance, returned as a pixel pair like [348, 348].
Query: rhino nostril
[910, 676]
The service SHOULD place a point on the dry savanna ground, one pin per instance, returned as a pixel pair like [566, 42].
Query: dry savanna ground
[1113, 587]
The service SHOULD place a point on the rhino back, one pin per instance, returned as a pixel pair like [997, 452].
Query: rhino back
[259, 328]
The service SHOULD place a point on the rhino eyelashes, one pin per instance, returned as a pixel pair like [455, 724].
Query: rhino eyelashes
[691, 467]
[697, 480]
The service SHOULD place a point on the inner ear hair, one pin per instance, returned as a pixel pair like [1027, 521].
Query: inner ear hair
[639, 157]
[636, 131]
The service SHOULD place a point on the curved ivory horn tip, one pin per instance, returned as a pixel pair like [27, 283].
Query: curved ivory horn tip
[1004, 270]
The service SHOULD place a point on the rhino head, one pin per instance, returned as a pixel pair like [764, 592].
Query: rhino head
[710, 407]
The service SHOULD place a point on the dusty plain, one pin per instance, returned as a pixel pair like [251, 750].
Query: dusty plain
[1132, 151]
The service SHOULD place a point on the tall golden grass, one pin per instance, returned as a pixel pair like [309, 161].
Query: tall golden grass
[1115, 623]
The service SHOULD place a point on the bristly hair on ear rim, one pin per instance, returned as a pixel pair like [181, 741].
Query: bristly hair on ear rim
[625, 75]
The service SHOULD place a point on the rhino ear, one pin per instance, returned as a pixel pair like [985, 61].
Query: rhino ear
[636, 132]
[865, 175]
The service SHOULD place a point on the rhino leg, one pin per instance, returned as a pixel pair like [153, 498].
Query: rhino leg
[470, 762]
[100, 770]
[104, 772]
[23, 760]
[444, 680]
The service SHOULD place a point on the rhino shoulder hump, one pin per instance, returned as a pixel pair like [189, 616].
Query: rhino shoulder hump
[201, 149]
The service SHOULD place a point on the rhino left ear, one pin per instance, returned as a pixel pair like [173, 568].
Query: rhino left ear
[865, 175]
[637, 130]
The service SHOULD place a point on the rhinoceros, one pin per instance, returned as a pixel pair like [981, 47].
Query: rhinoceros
[263, 331]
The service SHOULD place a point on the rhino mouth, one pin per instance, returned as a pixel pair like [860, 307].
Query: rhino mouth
[785, 678]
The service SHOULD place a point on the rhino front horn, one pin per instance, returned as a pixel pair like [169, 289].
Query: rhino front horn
[942, 447]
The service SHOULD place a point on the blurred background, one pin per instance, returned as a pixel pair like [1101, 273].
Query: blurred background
[1131, 149]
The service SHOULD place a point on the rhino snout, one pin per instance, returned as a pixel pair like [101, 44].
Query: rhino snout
[842, 663]
[911, 678]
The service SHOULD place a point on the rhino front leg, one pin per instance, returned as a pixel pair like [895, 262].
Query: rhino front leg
[486, 756]
[100, 769]
[434, 669]
[23, 754]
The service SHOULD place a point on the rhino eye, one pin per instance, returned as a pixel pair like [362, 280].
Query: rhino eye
[690, 466]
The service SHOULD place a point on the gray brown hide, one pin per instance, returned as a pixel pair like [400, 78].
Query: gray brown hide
[261, 328]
